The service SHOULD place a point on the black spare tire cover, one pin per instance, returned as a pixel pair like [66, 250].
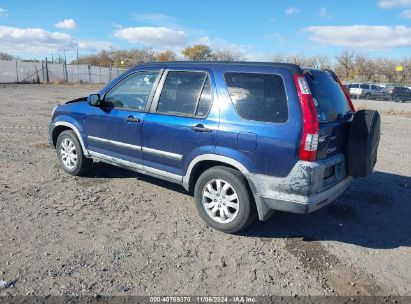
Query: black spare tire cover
[362, 143]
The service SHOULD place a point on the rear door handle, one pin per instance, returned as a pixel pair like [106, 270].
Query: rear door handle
[201, 128]
[131, 118]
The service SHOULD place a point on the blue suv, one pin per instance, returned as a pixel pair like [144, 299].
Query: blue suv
[245, 138]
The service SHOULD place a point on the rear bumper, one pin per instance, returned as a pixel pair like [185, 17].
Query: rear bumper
[309, 203]
[307, 188]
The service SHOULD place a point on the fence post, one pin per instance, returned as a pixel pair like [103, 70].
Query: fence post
[65, 64]
[64, 73]
[89, 74]
[109, 73]
[17, 73]
[37, 74]
[42, 70]
[47, 72]
[100, 73]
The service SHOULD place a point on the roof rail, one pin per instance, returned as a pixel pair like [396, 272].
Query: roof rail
[293, 67]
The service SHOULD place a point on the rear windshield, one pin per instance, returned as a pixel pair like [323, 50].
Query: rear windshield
[329, 97]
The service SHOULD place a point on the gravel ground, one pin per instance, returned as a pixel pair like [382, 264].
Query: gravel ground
[116, 232]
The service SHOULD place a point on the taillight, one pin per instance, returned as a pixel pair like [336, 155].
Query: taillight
[309, 138]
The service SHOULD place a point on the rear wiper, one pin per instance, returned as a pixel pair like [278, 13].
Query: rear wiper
[345, 117]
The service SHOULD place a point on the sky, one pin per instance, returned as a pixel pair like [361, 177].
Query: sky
[255, 29]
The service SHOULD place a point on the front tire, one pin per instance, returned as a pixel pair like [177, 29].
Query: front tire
[70, 154]
[223, 199]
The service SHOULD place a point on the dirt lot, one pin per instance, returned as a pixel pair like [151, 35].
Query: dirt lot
[120, 233]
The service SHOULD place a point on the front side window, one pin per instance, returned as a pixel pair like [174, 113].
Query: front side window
[185, 93]
[259, 97]
[133, 92]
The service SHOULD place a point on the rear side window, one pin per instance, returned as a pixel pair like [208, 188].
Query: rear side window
[259, 97]
[186, 94]
[329, 97]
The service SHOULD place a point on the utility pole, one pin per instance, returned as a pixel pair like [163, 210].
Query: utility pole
[65, 67]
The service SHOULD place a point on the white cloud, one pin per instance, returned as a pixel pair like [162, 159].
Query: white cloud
[406, 14]
[361, 36]
[152, 36]
[3, 12]
[68, 24]
[292, 10]
[221, 44]
[393, 3]
[324, 13]
[40, 41]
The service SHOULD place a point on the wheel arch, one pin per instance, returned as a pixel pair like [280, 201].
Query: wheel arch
[61, 126]
[205, 161]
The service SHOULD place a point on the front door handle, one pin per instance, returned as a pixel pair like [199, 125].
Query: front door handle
[131, 118]
[201, 128]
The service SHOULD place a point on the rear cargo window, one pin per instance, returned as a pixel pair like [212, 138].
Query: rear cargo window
[329, 97]
[259, 97]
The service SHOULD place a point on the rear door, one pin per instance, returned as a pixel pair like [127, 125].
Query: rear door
[180, 124]
[334, 112]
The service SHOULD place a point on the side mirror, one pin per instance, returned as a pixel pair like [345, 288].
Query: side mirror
[94, 100]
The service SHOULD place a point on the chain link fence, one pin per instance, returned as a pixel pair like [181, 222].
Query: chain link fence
[45, 72]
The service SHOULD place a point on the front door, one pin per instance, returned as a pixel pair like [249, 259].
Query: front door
[115, 130]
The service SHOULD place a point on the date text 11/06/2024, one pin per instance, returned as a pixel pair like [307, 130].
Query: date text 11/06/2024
[203, 299]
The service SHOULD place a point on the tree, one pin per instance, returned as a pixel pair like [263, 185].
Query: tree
[279, 58]
[345, 65]
[227, 55]
[198, 52]
[118, 58]
[323, 61]
[5, 56]
[365, 67]
[166, 56]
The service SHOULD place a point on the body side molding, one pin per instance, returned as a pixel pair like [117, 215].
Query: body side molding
[115, 143]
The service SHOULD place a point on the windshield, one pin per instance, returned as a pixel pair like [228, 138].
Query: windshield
[328, 96]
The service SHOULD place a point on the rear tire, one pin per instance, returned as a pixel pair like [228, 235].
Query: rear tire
[70, 154]
[367, 96]
[223, 199]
